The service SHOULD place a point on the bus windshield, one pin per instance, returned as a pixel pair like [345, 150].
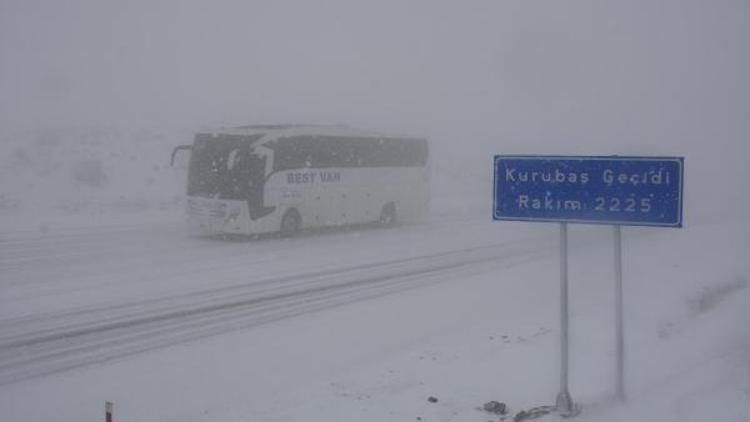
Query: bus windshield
[224, 167]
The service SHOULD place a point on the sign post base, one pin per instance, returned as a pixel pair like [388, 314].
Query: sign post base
[565, 407]
[564, 403]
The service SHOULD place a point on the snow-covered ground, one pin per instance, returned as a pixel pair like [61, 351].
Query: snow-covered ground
[104, 297]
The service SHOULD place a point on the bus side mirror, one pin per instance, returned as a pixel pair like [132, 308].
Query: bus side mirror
[178, 148]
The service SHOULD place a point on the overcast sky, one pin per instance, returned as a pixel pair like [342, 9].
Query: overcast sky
[654, 75]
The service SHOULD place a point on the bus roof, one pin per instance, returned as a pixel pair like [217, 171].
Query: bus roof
[275, 131]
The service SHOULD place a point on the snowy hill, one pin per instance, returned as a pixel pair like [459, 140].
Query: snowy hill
[61, 175]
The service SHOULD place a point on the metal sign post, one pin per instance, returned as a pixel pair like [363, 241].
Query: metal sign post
[564, 403]
[637, 191]
[619, 319]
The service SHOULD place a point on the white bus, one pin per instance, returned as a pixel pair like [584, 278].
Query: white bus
[283, 178]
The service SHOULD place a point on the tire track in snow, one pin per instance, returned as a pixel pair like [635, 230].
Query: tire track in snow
[25, 247]
[40, 345]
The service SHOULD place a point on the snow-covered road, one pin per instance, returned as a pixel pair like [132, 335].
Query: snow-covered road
[178, 327]
[77, 297]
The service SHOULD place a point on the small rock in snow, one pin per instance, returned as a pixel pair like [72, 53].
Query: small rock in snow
[495, 407]
[432, 399]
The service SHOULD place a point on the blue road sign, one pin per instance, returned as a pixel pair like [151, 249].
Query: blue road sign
[638, 191]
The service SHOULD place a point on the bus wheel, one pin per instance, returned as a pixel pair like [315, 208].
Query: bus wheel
[290, 222]
[388, 215]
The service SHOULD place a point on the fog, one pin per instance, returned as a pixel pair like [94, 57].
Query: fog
[581, 77]
[94, 94]
[659, 74]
